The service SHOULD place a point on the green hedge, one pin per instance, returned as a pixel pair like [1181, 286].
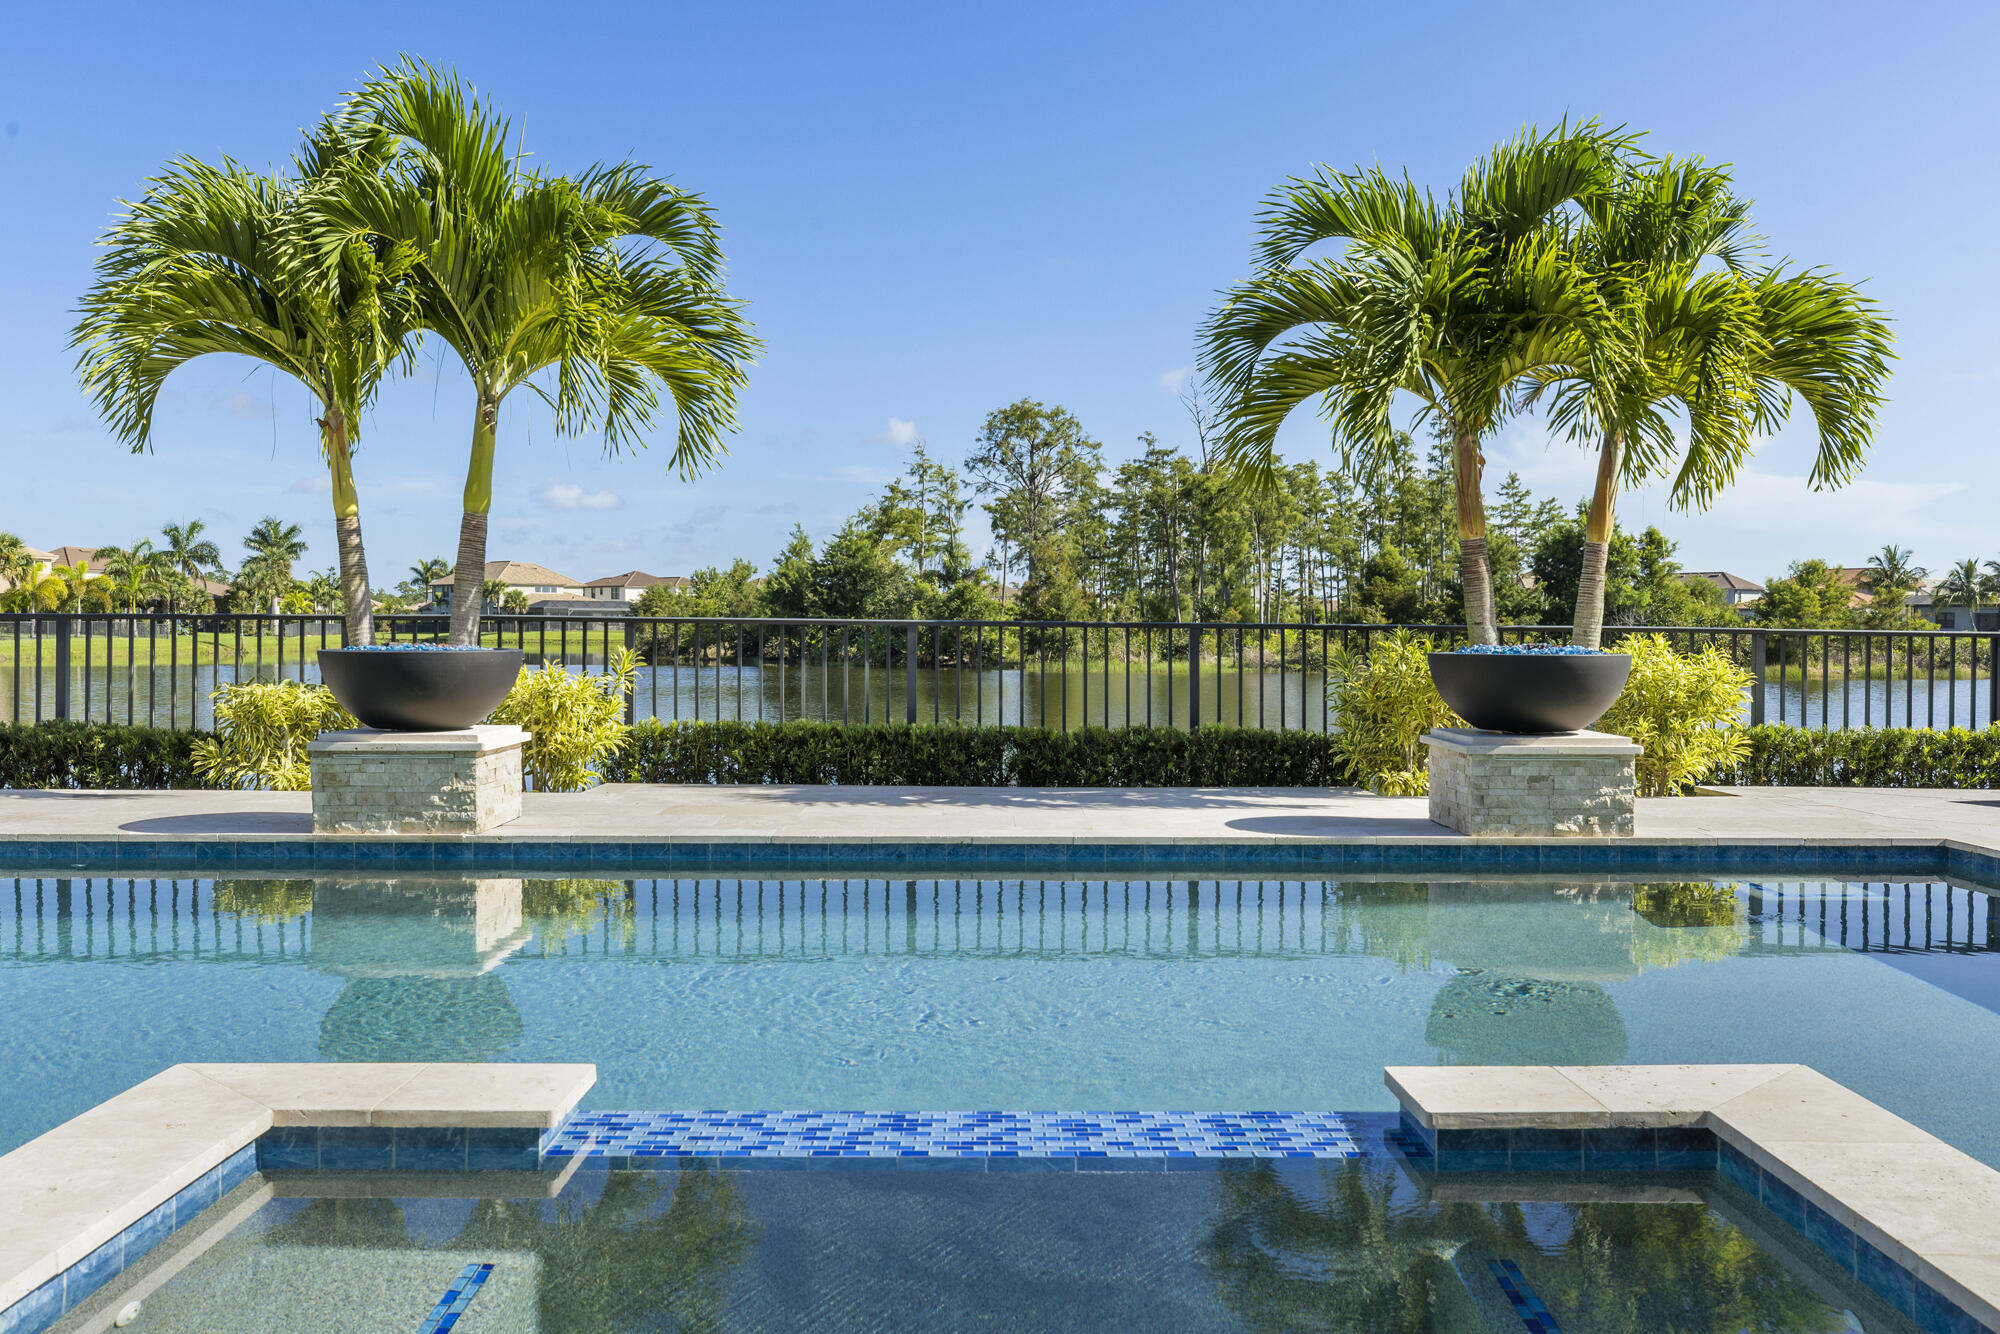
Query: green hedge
[927, 756]
[72, 754]
[1871, 757]
[98, 755]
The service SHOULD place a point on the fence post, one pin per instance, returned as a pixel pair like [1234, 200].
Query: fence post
[1992, 682]
[1194, 675]
[910, 675]
[1757, 677]
[62, 667]
[631, 644]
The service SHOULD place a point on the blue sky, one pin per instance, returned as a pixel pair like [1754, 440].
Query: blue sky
[937, 209]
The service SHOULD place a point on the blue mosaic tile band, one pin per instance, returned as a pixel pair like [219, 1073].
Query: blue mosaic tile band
[456, 1299]
[488, 855]
[838, 1136]
[1523, 1299]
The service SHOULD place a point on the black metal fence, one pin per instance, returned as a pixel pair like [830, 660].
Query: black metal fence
[161, 669]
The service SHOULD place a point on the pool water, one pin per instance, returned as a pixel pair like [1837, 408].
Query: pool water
[1355, 1245]
[1020, 993]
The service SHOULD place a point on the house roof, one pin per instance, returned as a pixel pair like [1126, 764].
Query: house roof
[1723, 579]
[637, 579]
[72, 555]
[517, 572]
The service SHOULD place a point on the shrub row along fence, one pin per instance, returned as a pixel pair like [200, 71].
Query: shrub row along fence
[79, 755]
[160, 669]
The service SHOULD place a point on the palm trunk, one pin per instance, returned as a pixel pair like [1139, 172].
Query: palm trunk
[469, 579]
[1588, 631]
[1475, 572]
[358, 613]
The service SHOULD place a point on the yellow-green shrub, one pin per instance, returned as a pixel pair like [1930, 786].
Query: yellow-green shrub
[1383, 703]
[262, 730]
[575, 722]
[1685, 709]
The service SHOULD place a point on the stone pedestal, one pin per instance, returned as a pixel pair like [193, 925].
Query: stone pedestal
[1566, 784]
[370, 782]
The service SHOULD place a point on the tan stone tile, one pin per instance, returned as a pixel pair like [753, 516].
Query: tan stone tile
[1474, 1097]
[1667, 1095]
[497, 1094]
[320, 1093]
[1910, 1200]
[1804, 1105]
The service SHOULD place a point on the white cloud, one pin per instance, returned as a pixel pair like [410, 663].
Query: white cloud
[570, 496]
[243, 403]
[901, 432]
[318, 485]
[1172, 380]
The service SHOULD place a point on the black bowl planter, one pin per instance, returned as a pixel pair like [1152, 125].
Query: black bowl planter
[1530, 692]
[419, 690]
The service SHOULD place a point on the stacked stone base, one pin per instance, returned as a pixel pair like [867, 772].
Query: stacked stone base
[371, 782]
[1565, 785]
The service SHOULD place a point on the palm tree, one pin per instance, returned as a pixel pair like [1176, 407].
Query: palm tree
[73, 578]
[1452, 303]
[273, 546]
[208, 261]
[612, 279]
[493, 593]
[1728, 349]
[1963, 586]
[134, 571]
[425, 571]
[1891, 574]
[188, 554]
[1646, 241]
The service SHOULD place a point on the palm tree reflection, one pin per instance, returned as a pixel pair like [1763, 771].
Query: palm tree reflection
[1353, 1247]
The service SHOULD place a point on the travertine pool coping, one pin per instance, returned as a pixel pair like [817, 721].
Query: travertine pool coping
[93, 1179]
[1919, 1203]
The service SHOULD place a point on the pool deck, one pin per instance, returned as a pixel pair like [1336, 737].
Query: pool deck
[640, 813]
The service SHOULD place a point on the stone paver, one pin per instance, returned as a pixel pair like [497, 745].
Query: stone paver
[640, 812]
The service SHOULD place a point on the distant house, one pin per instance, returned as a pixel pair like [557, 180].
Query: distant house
[1736, 590]
[1947, 617]
[520, 576]
[631, 585]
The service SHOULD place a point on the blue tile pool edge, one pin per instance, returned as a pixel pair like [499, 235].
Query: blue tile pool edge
[48, 1303]
[310, 853]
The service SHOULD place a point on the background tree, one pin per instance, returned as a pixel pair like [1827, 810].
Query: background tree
[612, 279]
[1038, 465]
[1811, 596]
[492, 593]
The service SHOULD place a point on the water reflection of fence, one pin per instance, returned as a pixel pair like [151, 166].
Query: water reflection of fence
[51, 919]
[160, 669]
[1883, 918]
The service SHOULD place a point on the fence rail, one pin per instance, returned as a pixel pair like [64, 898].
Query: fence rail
[162, 668]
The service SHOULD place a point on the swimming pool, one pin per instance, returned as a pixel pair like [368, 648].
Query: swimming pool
[1367, 1245]
[1003, 993]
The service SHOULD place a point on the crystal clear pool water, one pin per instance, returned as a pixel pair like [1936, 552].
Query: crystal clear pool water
[1358, 1246]
[1018, 993]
